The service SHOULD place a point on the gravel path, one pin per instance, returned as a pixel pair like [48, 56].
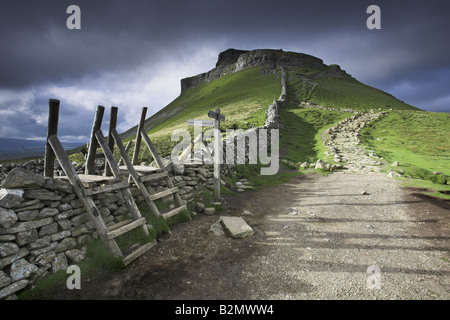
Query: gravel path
[351, 235]
[315, 238]
[321, 245]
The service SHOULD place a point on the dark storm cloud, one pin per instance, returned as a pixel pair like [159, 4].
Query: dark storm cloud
[131, 52]
[36, 45]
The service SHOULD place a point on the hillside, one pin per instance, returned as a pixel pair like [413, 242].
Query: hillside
[22, 148]
[244, 83]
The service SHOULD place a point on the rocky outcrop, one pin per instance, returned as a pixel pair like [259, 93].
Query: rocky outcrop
[229, 57]
[233, 60]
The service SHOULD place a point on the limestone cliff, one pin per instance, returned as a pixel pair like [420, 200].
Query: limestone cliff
[233, 60]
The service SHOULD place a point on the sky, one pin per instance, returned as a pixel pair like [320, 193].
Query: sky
[133, 54]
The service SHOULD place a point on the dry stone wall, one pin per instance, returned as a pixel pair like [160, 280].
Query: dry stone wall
[44, 227]
[273, 121]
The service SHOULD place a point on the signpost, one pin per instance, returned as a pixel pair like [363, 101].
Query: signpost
[215, 124]
[203, 123]
[217, 118]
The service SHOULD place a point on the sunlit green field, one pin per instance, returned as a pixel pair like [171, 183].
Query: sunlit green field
[418, 140]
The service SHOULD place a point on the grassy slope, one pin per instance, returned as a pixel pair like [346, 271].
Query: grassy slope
[300, 136]
[349, 93]
[419, 140]
[243, 97]
[345, 92]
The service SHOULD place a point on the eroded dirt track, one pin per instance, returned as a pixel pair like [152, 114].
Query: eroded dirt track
[315, 238]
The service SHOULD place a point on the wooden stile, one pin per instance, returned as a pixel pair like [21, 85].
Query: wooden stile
[81, 184]
[52, 129]
[112, 125]
[138, 137]
[90, 160]
[88, 185]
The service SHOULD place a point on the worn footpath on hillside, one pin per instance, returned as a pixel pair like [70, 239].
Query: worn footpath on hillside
[316, 237]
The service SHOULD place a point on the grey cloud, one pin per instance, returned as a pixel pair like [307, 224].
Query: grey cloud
[125, 37]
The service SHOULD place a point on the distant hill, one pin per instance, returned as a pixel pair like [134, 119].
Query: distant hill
[11, 149]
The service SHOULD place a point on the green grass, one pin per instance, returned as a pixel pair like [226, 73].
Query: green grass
[347, 92]
[427, 187]
[99, 259]
[300, 137]
[243, 97]
[418, 140]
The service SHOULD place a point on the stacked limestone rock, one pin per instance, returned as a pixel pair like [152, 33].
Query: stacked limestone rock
[44, 227]
[343, 142]
[273, 112]
[189, 178]
[37, 166]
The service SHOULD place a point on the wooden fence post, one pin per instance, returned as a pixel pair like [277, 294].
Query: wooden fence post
[52, 129]
[137, 145]
[93, 144]
[112, 125]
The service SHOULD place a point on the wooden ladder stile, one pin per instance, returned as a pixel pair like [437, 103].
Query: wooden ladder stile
[180, 203]
[141, 174]
[107, 234]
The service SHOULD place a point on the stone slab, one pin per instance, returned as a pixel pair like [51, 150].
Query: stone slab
[237, 227]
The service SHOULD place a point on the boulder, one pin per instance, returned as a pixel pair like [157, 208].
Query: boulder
[28, 215]
[178, 168]
[4, 279]
[10, 259]
[58, 185]
[393, 174]
[48, 212]
[217, 228]
[319, 164]
[26, 226]
[76, 255]
[22, 269]
[10, 198]
[237, 227]
[49, 229]
[13, 288]
[8, 249]
[39, 243]
[60, 262]
[45, 258]
[26, 237]
[41, 194]
[246, 213]
[200, 207]
[66, 244]
[304, 165]
[19, 178]
[109, 199]
[7, 218]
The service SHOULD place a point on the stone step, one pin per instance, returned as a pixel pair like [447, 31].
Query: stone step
[237, 227]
